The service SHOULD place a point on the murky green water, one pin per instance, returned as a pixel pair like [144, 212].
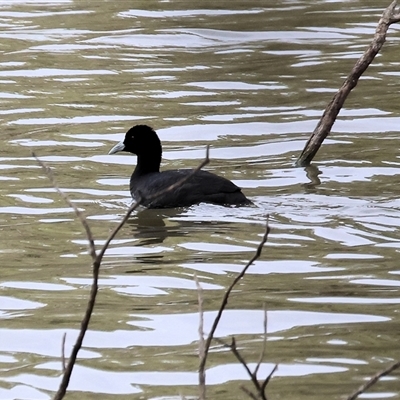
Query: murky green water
[250, 79]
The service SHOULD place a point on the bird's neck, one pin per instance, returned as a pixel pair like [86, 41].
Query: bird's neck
[146, 164]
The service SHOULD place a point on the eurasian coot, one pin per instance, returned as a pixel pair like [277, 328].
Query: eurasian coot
[146, 180]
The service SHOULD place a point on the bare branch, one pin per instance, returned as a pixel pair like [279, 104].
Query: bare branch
[78, 344]
[395, 18]
[226, 296]
[265, 383]
[264, 345]
[249, 393]
[140, 200]
[63, 352]
[112, 235]
[389, 11]
[242, 361]
[78, 213]
[179, 183]
[253, 375]
[373, 380]
[97, 259]
[332, 110]
[202, 377]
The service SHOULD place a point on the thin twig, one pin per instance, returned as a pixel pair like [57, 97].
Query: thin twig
[179, 183]
[201, 313]
[78, 213]
[97, 259]
[202, 378]
[264, 345]
[373, 380]
[89, 308]
[232, 347]
[63, 352]
[242, 361]
[253, 375]
[78, 344]
[226, 297]
[265, 383]
[140, 200]
[249, 393]
[112, 235]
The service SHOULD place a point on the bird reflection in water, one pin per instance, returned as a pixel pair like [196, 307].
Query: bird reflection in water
[150, 226]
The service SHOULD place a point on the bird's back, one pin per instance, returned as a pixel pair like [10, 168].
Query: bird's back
[202, 187]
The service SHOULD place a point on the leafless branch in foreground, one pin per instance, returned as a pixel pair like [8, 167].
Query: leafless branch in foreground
[259, 386]
[328, 118]
[374, 379]
[264, 345]
[97, 259]
[248, 392]
[63, 352]
[210, 336]
[78, 213]
[202, 378]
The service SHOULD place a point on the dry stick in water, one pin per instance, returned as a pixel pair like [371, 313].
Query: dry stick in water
[373, 380]
[332, 110]
[225, 302]
[97, 259]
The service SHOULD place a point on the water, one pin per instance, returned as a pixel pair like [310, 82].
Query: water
[250, 80]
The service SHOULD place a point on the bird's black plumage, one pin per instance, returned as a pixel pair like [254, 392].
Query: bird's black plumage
[147, 179]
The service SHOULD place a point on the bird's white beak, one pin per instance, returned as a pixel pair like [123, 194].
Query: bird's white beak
[118, 147]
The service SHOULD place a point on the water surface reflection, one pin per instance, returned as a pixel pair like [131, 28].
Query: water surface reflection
[251, 81]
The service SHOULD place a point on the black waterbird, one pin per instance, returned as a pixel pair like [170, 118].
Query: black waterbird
[146, 179]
